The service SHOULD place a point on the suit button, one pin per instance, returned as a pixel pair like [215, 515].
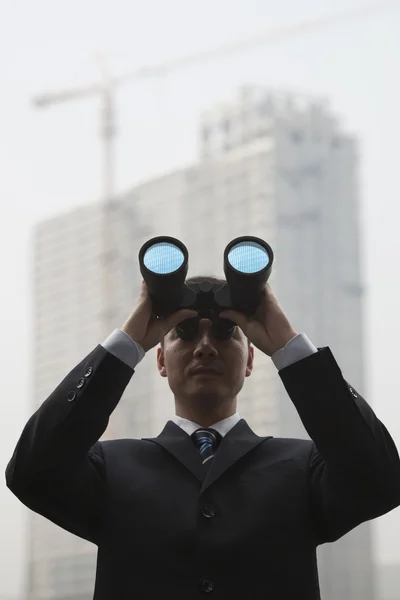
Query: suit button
[353, 392]
[71, 396]
[80, 383]
[208, 511]
[206, 585]
[88, 371]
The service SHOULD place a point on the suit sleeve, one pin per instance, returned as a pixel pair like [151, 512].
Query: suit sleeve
[354, 467]
[57, 468]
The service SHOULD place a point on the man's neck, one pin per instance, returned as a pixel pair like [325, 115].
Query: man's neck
[202, 417]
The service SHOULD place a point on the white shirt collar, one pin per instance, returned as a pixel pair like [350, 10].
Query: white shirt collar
[222, 426]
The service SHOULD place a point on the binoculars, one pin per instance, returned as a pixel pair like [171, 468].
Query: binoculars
[164, 265]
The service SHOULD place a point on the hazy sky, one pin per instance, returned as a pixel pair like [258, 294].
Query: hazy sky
[50, 160]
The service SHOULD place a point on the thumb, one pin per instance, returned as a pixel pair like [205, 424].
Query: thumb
[144, 292]
[239, 318]
[179, 316]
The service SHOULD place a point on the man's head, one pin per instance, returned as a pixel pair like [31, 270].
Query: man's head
[205, 374]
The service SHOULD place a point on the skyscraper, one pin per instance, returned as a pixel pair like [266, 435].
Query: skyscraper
[277, 166]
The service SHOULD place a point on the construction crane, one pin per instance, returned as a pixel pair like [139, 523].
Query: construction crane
[108, 85]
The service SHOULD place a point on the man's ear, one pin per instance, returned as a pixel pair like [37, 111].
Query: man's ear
[250, 361]
[161, 362]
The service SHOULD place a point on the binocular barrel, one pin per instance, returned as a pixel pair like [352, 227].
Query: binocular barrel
[164, 265]
[247, 267]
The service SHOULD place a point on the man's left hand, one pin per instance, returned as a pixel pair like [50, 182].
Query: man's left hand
[269, 329]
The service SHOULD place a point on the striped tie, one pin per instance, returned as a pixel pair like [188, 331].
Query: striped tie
[206, 440]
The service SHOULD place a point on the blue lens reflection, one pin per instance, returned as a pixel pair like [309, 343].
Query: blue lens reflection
[163, 258]
[248, 257]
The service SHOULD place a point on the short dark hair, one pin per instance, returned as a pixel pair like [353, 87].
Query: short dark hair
[211, 279]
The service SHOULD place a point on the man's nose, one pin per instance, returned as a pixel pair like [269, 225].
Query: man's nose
[205, 343]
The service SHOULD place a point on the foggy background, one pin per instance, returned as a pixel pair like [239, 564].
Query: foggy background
[51, 159]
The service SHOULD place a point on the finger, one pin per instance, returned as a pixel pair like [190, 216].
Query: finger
[269, 295]
[145, 299]
[142, 295]
[239, 318]
[144, 292]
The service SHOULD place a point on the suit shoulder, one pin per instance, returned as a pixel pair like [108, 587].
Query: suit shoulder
[123, 446]
[291, 448]
[120, 444]
[293, 442]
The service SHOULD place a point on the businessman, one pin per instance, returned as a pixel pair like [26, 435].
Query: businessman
[207, 507]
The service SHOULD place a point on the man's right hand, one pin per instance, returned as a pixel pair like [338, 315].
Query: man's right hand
[147, 330]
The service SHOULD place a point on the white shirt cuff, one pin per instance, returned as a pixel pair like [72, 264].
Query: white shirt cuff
[122, 346]
[296, 349]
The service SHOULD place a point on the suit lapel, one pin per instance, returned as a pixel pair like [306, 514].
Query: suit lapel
[240, 440]
[178, 443]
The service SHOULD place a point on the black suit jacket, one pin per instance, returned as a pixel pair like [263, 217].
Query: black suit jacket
[248, 529]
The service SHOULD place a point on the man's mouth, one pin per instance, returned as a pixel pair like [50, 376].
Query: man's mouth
[205, 370]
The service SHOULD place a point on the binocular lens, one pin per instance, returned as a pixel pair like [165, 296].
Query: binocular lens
[248, 257]
[163, 258]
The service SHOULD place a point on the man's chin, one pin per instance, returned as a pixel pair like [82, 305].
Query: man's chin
[207, 393]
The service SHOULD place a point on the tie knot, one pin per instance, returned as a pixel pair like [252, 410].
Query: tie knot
[206, 438]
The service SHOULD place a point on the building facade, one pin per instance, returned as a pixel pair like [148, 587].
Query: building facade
[271, 165]
[388, 576]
